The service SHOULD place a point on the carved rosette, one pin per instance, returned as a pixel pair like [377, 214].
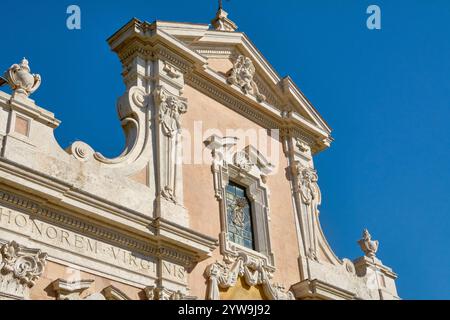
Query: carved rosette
[21, 80]
[242, 75]
[368, 246]
[254, 272]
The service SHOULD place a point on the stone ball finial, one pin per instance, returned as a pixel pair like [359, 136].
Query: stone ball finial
[368, 246]
[21, 80]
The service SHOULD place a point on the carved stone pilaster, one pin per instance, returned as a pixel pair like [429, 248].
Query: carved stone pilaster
[310, 197]
[169, 109]
[20, 268]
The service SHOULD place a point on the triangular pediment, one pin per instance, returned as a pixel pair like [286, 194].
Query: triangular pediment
[208, 57]
[220, 50]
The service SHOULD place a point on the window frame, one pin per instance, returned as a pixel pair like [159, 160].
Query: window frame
[258, 195]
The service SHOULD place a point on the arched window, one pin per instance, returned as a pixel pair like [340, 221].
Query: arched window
[239, 216]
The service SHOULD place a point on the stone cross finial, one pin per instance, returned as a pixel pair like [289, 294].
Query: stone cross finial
[368, 246]
[21, 80]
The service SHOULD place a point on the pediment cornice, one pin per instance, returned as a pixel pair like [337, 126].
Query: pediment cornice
[188, 47]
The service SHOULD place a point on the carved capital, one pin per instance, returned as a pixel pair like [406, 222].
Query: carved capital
[20, 268]
[26, 266]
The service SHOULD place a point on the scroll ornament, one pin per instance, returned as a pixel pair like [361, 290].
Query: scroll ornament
[25, 266]
[225, 275]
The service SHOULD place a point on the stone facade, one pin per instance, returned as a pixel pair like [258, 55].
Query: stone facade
[153, 223]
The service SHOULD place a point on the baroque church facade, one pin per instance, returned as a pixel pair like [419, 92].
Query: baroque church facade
[232, 215]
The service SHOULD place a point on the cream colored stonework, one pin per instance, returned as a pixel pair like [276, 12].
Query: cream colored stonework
[147, 225]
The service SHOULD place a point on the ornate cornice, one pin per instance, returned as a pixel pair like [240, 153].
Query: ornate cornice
[154, 248]
[205, 86]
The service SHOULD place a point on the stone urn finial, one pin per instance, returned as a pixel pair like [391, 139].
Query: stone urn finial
[21, 80]
[368, 246]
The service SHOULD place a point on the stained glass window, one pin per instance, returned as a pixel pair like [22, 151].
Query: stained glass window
[239, 217]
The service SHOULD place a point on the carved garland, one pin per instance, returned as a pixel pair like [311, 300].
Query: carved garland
[223, 275]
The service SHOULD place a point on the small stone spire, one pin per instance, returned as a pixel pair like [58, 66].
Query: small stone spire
[368, 246]
[221, 21]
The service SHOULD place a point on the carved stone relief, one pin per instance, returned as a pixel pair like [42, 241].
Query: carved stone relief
[20, 268]
[225, 275]
[242, 75]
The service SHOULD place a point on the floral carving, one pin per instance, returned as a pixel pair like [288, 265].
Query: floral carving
[170, 110]
[225, 275]
[368, 246]
[21, 80]
[25, 266]
[308, 187]
[242, 75]
[242, 161]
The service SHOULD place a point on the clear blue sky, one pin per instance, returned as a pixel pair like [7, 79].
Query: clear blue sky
[385, 93]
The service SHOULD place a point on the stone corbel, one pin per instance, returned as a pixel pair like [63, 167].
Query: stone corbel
[20, 268]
